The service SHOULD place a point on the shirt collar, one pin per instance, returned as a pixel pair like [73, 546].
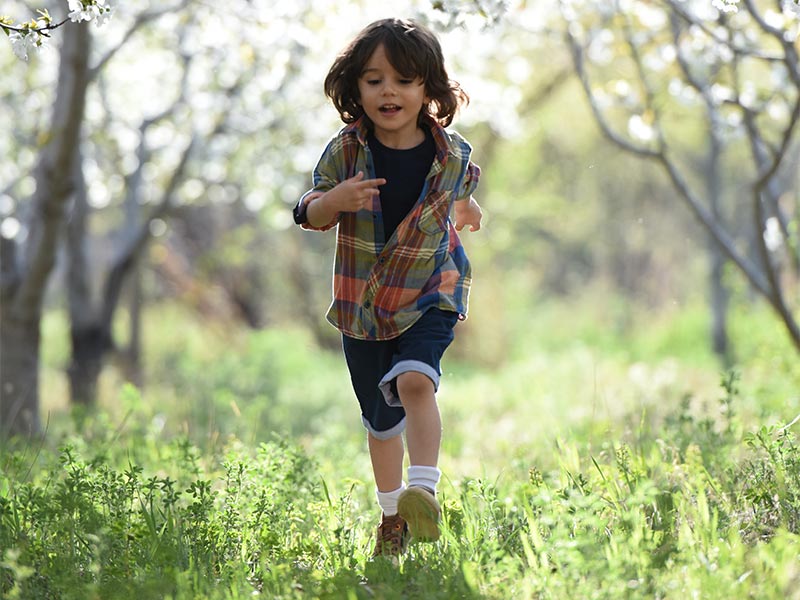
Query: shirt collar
[441, 140]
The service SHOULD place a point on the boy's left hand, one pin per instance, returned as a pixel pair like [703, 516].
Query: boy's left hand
[468, 212]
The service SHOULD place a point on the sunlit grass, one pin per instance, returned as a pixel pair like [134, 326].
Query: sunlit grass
[588, 463]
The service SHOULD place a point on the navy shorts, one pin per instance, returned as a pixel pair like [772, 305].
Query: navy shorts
[375, 365]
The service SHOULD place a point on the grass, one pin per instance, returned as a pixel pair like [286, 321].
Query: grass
[572, 470]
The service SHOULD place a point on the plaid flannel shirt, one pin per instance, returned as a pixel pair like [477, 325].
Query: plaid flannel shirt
[381, 289]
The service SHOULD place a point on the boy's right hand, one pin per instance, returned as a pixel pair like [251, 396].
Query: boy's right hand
[353, 194]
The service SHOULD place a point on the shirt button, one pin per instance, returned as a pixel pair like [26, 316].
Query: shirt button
[382, 259]
[367, 304]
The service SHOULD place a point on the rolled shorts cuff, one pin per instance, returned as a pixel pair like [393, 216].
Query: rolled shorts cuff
[405, 366]
[387, 433]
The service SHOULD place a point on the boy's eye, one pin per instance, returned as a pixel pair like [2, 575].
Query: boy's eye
[406, 81]
[373, 81]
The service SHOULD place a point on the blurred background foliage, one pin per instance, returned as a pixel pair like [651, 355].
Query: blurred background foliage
[586, 247]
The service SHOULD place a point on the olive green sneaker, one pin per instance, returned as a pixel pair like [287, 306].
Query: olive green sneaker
[420, 509]
[392, 536]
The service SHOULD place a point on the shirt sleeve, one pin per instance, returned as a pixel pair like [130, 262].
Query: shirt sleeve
[469, 182]
[324, 178]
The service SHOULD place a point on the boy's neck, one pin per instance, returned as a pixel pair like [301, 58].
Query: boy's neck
[400, 140]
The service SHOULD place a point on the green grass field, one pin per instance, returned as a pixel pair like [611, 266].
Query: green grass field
[584, 464]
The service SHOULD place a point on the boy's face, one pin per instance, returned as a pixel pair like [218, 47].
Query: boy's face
[391, 101]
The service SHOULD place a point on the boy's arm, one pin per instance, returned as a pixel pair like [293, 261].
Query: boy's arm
[300, 211]
[320, 209]
[467, 211]
[325, 177]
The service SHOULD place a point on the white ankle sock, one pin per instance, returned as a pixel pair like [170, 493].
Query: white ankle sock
[427, 477]
[388, 500]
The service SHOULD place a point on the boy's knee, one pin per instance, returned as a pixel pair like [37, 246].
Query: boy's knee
[412, 385]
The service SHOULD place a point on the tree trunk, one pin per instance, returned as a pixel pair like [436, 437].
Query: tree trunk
[19, 373]
[87, 334]
[89, 345]
[718, 292]
[133, 353]
[719, 306]
[92, 328]
[130, 356]
[26, 279]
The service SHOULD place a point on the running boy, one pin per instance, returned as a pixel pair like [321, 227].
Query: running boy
[390, 180]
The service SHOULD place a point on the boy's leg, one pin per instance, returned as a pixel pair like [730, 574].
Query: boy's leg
[367, 362]
[387, 466]
[423, 422]
[387, 462]
[411, 383]
[418, 504]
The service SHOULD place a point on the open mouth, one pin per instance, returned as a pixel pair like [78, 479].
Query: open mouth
[389, 108]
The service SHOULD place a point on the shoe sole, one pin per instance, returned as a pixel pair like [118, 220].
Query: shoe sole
[421, 511]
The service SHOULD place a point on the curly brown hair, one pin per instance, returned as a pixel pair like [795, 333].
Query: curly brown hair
[413, 51]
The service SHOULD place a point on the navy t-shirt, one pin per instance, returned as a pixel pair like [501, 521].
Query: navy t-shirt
[405, 172]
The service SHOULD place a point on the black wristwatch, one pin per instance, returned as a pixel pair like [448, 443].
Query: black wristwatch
[299, 212]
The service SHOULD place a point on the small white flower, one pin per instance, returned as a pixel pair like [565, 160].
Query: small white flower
[104, 16]
[77, 12]
[726, 6]
[23, 42]
[84, 10]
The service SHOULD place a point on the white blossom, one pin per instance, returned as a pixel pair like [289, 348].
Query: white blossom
[726, 6]
[23, 42]
[28, 37]
[89, 10]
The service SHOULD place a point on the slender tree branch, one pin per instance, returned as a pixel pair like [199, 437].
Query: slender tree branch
[767, 164]
[722, 237]
[608, 131]
[130, 254]
[649, 95]
[777, 297]
[44, 30]
[141, 20]
[662, 156]
[136, 243]
[678, 7]
[790, 55]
